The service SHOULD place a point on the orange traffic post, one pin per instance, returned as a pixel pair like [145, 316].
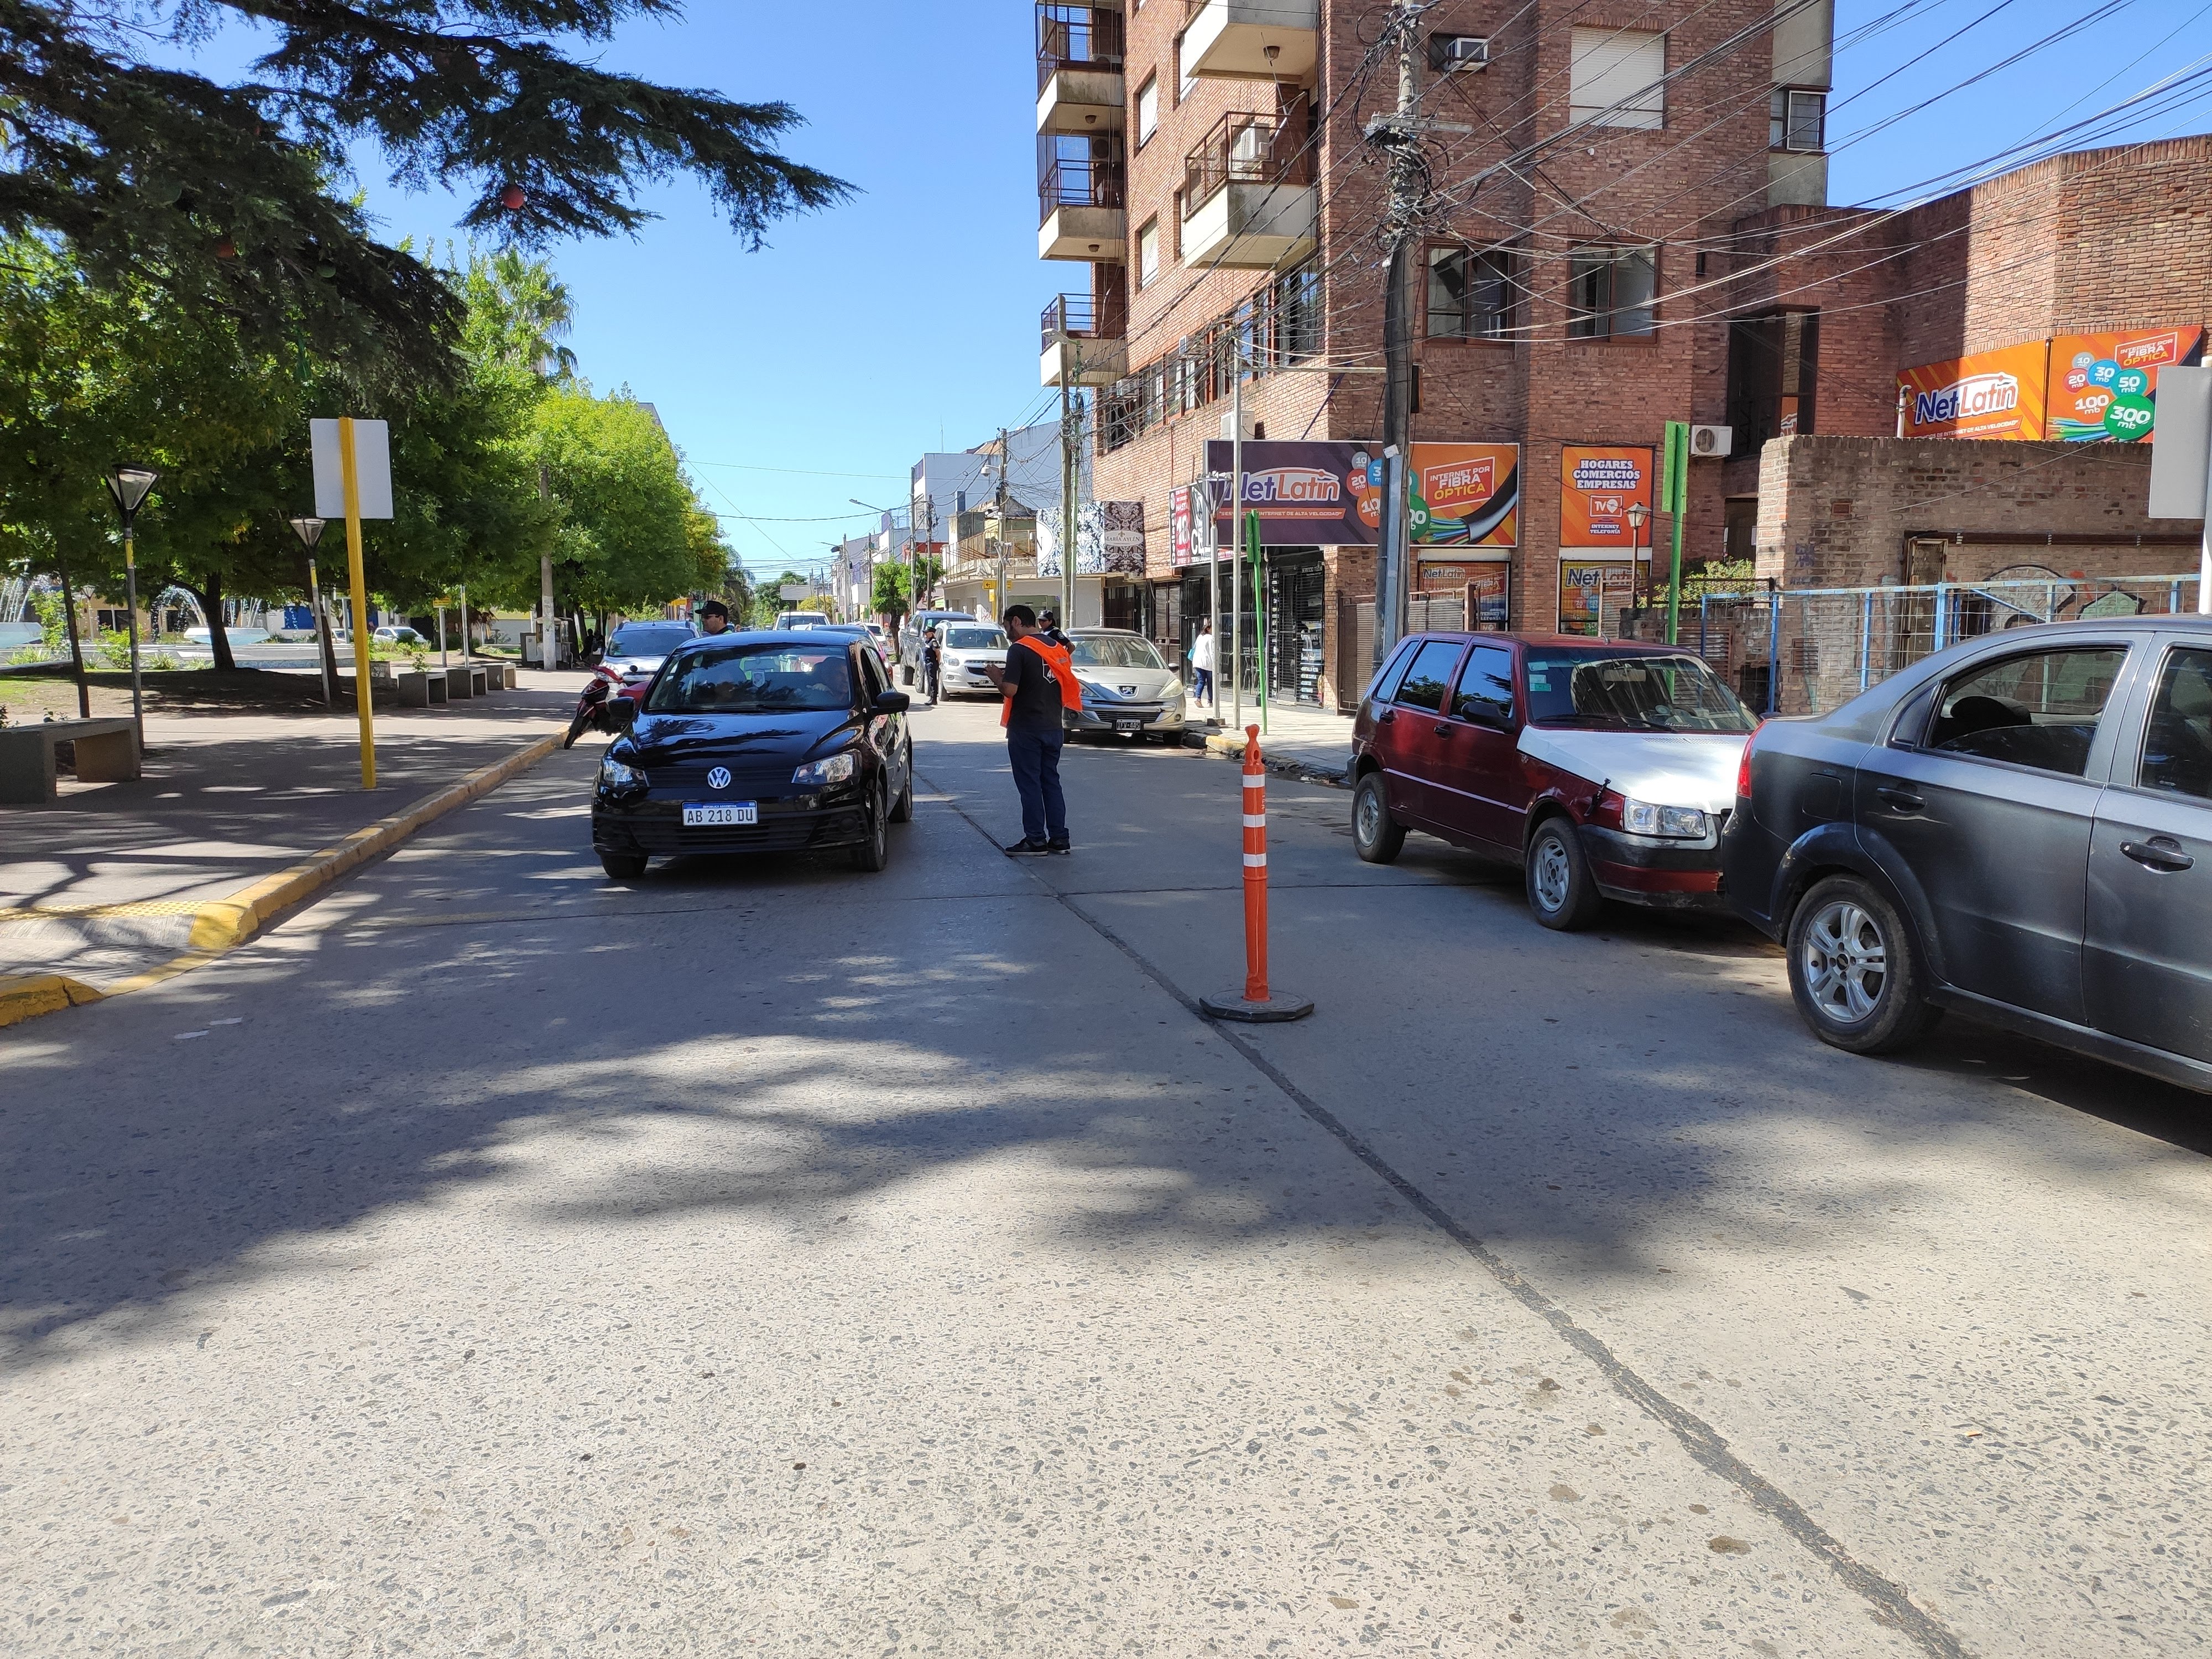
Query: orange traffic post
[1259, 1003]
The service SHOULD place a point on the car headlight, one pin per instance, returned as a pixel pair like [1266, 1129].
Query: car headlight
[614, 775]
[1641, 818]
[831, 768]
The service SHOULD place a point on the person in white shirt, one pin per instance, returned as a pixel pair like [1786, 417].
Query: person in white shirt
[1201, 665]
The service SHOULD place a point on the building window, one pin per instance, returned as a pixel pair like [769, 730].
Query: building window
[1799, 122]
[1175, 229]
[1187, 83]
[1148, 251]
[1773, 365]
[1610, 292]
[1617, 77]
[1148, 109]
[1471, 293]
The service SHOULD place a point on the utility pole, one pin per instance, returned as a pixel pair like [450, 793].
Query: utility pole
[998, 522]
[545, 653]
[1401, 134]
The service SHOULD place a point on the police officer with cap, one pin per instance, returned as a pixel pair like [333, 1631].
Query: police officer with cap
[714, 618]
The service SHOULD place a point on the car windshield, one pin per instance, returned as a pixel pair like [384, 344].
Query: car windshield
[754, 679]
[1594, 688]
[646, 641]
[1113, 651]
[974, 639]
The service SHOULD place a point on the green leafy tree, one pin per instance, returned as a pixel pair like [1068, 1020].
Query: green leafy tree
[138, 164]
[628, 535]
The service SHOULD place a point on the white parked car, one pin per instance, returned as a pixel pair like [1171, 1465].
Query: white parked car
[1128, 690]
[633, 654]
[395, 634]
[964, 650]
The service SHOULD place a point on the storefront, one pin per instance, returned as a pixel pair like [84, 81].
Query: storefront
[1296, 585]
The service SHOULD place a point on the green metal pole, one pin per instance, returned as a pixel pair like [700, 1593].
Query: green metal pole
[1677, 497]
[1259, 607]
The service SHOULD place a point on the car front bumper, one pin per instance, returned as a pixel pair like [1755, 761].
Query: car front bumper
[1149, 717]
[794, 824]
[1662, 875]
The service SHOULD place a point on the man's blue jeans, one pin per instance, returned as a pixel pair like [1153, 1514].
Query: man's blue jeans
[1035, 754]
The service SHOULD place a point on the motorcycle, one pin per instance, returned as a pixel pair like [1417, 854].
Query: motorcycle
[592, 711]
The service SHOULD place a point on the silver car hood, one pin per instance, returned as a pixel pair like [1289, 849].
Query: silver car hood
[1130, 684]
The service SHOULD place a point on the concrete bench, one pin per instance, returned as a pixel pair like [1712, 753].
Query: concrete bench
[498, 676]
[421, 690]
[107, 752]
[466, 681]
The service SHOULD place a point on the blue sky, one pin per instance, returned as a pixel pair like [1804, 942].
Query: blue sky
[820, 367]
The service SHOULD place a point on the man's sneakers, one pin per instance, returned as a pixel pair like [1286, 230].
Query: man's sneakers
[1025, 848]
[1059, 846]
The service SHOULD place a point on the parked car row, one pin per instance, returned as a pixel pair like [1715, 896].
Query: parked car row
[2018, 829]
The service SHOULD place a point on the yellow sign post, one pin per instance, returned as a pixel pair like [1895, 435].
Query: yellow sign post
[351, 471]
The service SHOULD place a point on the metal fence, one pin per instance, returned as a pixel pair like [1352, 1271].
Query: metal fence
[1804, 651]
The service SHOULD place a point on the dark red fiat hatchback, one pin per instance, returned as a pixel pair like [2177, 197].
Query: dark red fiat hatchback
[1605, 768]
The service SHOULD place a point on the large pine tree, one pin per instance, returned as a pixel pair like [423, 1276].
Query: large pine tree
[227, 190]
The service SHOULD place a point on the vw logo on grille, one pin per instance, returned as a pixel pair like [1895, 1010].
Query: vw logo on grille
[719, 778]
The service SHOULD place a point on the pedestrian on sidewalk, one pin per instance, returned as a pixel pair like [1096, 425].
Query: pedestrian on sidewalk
[1201, 665]
[1038, 683]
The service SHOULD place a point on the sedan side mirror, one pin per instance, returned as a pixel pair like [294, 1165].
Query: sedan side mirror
[624, 710]
[892, 702]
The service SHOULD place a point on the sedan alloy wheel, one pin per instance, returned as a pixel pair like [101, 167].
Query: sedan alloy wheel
[1845, 961]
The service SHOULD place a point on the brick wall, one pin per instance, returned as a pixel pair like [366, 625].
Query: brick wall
[1838, 511]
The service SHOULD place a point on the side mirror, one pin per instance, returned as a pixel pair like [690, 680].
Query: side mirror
[624, 710]
[892, 702]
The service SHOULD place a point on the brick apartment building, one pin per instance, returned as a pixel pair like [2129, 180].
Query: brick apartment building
[1207, 160]
[1672, 256]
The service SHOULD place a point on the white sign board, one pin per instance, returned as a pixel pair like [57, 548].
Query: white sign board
[372, 466]
[2185, 435]
[794, 591]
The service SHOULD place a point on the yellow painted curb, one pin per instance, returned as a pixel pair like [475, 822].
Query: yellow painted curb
[220, 923]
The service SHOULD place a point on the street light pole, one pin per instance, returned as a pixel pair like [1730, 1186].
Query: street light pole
[310, 531]
[129, 485]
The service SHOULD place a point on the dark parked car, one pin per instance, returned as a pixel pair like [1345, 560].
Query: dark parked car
[757, 743]
[1603, 768]
[2018, 828]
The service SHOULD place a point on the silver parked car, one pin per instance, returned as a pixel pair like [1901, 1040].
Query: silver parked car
[965, 648]
[1128, 690]
[634, 653]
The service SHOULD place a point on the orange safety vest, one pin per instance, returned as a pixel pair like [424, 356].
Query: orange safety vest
[1060, 662]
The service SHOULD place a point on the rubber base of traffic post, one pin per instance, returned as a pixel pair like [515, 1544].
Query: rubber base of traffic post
[1276, 1009]
[220, 923]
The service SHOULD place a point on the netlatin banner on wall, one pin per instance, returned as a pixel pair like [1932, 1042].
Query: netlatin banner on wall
[2075, 388]
[1307, 494]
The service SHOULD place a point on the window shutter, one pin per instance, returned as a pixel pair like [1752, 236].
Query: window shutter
[1618, 66]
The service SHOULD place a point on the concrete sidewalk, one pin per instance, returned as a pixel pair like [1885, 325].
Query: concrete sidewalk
[1315, 742]
[110, 879]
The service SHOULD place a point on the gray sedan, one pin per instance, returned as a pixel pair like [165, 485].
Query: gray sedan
[1128, 690]
[2018, 829]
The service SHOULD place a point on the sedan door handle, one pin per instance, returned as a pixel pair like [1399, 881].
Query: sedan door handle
[1442, 729]
[2161, 853]
[1386, 717]
[1903, 799]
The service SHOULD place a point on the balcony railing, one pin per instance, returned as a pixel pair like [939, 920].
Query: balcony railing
[1094, 184]
[1078, 38]
[1086, 317]
[1245, 148]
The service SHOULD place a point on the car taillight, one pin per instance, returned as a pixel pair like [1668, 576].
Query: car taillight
[1743, 766]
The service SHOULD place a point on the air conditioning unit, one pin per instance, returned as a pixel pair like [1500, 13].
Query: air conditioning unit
[1450, 52]
[1712, 443]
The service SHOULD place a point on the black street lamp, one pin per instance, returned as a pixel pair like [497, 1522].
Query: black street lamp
[129, 485]
[310, 532]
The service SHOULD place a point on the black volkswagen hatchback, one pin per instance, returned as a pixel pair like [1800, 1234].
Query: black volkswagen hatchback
[2018, 829]
[756, 742]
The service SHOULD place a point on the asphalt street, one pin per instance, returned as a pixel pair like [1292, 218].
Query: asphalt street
[763, 1257]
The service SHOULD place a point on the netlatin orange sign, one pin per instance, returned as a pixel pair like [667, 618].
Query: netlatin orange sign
[1988, 394]
[2105, 386]
[1598, 484]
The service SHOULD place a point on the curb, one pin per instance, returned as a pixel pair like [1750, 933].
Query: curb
[1222, 746]
[218, 925]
